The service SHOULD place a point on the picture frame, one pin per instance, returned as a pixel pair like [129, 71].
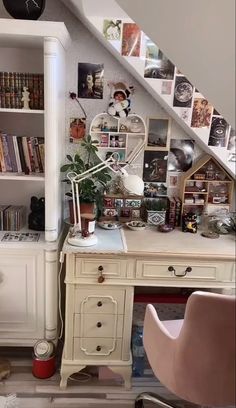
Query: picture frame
[158, 133]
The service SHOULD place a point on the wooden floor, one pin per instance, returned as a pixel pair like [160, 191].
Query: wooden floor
[35, 393]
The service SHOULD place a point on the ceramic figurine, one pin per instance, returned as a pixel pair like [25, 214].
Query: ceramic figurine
[25, 98]
[189, 223]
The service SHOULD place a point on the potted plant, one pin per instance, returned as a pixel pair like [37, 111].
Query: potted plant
[155, 211]
[92, 188]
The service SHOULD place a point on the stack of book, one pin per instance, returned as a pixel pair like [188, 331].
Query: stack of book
[21, 154]
[11, 88]
[12, 217]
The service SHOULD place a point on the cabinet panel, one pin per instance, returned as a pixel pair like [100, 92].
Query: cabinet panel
[89, 268]
[173, 270]
[21, 301]
[98, 325]
[99, 349]
[99, 301]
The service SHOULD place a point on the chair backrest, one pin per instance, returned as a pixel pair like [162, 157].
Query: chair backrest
[204, 361]
[205, 350]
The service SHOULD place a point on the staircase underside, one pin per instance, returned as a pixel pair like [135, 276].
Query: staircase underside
[93, 15]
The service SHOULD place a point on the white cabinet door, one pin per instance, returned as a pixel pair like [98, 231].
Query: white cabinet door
[21, 295]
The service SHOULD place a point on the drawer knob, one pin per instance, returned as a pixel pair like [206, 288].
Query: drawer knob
[188, 269]
[98, 348]
[99, 324]
[99, 304]
[101, 279]
[171, 269]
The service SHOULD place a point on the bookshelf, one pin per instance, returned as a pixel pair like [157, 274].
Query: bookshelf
[120, 135]
[28, 297]
[206, 186]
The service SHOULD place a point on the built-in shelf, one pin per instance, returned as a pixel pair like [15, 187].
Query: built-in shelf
[23, 177]
[10, 110]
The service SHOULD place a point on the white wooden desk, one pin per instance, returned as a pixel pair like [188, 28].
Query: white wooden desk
[98, 318]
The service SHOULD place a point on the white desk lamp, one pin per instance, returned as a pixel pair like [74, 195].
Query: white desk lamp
[132, 183]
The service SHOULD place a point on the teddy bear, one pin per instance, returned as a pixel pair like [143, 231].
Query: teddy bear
[119, 104]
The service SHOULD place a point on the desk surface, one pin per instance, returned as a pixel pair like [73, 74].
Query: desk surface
[152, 242]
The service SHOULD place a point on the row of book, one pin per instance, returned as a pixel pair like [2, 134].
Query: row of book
[12, 217]
[21, 154]
[11, 88]
[173, 214]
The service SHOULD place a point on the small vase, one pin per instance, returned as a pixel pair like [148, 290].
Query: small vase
[156, 217]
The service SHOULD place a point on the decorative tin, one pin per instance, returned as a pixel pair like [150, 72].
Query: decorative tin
[43, 349]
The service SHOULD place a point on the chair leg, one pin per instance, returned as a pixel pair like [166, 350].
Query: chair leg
[155, 399]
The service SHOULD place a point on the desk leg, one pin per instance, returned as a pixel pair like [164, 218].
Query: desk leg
[66, 371]
[125, 372]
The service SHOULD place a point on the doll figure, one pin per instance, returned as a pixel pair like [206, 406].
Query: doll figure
[119, 104]
[25, 98]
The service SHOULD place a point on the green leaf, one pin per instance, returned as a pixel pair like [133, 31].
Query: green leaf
[65, 167]
[68, 156]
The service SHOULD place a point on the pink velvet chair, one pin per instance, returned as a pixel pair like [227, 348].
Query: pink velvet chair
[194, 358]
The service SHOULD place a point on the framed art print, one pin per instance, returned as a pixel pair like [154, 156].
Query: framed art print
[158, 134]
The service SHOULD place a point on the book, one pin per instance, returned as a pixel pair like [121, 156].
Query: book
[12, 154]
[178, 206]
[6, 154]
[26, 154]
[21, 154]
[18, 162]
[2, 210]
[171, 216]
[2, 161]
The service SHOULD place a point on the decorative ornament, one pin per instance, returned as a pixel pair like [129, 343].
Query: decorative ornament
[119, 104]
[25, 9]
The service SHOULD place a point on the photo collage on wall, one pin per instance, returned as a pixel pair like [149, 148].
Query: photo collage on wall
[187, 101]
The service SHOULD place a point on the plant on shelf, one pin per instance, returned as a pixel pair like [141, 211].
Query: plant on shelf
[158, 204]
[154, 210]
[90, 189]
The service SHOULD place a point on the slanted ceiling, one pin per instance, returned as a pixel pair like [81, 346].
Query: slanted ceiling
[199, 38]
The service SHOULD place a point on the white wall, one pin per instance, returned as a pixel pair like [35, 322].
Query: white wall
[86, 48]
[199, 38]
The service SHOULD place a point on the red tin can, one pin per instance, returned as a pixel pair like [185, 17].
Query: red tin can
[44, 368]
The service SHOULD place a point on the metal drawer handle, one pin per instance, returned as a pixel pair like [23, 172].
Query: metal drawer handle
[98, 348]
[99, 304]
[99, 324]
[187, 270]
[100, 268]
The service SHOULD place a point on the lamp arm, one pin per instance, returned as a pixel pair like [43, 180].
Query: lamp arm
[135, 153]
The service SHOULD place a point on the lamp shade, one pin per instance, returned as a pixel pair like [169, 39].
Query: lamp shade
[132, 183]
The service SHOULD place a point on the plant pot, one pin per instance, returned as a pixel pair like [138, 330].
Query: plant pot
[156, 217]
[85, 208]
[26, 10]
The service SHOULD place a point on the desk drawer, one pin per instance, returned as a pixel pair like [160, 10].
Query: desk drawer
[98, 325]
[111, 268]
[178, 270]
[97, 349]
[99, 301]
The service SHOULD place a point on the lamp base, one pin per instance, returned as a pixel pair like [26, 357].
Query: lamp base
[78, 240]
